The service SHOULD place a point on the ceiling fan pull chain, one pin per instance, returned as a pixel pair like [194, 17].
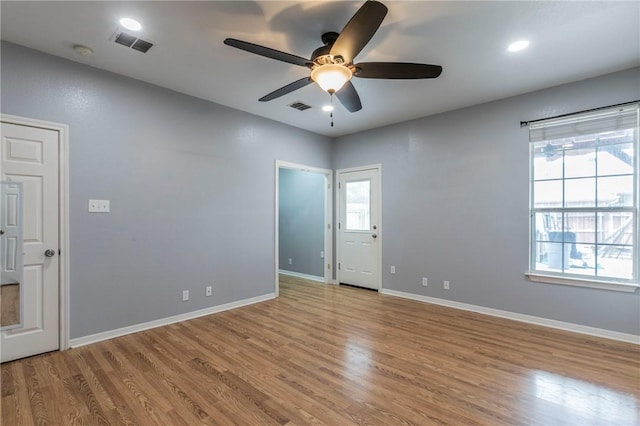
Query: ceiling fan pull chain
[331, 114]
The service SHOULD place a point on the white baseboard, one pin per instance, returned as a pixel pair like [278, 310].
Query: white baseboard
[106, 335]
[567, 326]
[303, 276]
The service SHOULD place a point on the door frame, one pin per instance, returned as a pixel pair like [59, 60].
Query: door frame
[380, 229]
[63, 224]
[328, 218]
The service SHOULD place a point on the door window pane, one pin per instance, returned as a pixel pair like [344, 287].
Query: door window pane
[358, 204]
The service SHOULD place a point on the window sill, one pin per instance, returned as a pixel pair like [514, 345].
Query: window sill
[577, 282]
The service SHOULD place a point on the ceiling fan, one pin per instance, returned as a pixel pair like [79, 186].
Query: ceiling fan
[332, 65]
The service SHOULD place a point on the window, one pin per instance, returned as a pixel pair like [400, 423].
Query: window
[358, 205]
[584, 196]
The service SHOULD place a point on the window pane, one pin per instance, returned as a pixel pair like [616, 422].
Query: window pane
[540, 255]
[557, 255]
[615, 159]
[547, 193]
[615, 191]
[580, 227]
[615, 228]
[547, 162]
[580, 163]
[615, 262]
[582, 259]
[580, 192]
[358, 202]
[546, 222]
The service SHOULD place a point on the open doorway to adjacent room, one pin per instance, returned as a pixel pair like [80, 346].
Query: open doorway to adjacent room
[304, 215]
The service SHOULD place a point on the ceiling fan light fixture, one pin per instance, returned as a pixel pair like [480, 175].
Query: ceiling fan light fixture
[331, 77]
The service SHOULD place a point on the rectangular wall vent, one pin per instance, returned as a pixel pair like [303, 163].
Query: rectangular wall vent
[300, 106]
[133, 42]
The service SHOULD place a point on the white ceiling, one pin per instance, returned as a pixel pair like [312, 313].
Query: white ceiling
[569, 41]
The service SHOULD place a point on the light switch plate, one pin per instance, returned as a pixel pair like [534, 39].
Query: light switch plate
[99, 206]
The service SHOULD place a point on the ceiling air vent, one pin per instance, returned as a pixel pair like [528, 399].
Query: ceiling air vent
[300, 106]
[133, 42]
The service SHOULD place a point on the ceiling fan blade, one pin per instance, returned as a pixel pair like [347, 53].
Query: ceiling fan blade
[298, 84]
[396, 70]
[349, 97]
[268, 52]
[359, 30]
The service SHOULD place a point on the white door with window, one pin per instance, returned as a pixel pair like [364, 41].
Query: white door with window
[359, 227]
[30, 155]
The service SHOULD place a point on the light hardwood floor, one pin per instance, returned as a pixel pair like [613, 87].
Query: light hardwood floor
[332, 355]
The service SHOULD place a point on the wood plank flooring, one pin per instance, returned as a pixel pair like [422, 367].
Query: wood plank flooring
[328, 355]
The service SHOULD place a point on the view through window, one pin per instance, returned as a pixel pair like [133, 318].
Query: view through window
[584, 196]
[358, 205]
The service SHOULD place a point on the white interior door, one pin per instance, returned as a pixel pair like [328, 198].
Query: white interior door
[30, 155]
[11, 233]
[359, 228]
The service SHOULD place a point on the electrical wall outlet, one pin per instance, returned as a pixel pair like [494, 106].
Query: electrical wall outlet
[208, 291]
[322, 255]
[425, 282]
[185, 295]
[393, 270]
[290, 261]
[99, 206]
[446, 285]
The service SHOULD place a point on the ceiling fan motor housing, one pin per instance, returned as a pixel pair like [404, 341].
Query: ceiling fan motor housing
[322, 56]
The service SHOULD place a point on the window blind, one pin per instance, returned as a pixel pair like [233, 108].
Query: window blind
[616, 118]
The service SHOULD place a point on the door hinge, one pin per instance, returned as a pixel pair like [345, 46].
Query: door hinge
[338, 266]
[328, 186]
[338, 225]
[339, 185]
[328, 266]
[59, 252]
[328, 226]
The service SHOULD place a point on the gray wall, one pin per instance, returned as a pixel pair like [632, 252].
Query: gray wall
[455, 198]
[301, 226]
[191, 185]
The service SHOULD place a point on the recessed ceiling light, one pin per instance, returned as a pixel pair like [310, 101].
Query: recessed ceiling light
[517, 46]
[130, 24]
[327, 108]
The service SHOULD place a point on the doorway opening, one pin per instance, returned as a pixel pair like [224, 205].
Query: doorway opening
[303, 223]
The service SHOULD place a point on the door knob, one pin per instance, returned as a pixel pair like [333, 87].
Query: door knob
[374, 235]
[49, 253]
